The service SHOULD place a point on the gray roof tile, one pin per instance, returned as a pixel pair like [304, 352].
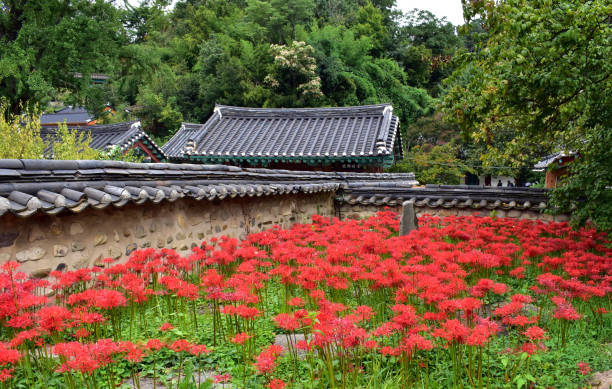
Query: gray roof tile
[68, 115]
[49, 186]
[123, 134]
[445, 196]
[326, 133]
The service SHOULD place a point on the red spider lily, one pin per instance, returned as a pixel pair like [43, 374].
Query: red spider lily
[567, 312]
[242, 310]
[296, 302]
[303, 345]
[415, 342]
[99, 298]
[534, 333]
[53, 318]
[265, 361]
[180, 345]
[240, 338]
[387, 350]
[453, 331]
[87, 358]
[287, 322]
[81, 333]
[6, 374]
[479, 336]
[199, 349]
[405, 316]
[276, 383]
[432, 281]
[584, 368]
[154, 345]
[166, 327]
[222, 378]
[8, 355]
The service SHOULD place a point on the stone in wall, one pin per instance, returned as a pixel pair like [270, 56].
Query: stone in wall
[364, 211]
[76, 228]
[30, 254]
[59, 250]
[77, 245]
[130, 248]
[100, 239]
[140, 232]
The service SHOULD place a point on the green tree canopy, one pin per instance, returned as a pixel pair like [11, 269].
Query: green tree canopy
[540, 82]
[51, 46]
[434, 164]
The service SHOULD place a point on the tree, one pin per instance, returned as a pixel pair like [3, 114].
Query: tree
[294, 77]
[593, 171]
[424, 47]
[51, 46]
[540, 82]
[73, 145]
[431, 129]
[19, 136]
[20, 139]
[434, 164]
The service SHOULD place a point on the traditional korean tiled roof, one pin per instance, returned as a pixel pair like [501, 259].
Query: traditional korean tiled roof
[68, 115]
[364, 134]
[124, 135]
[447, 196]
[28, 187]
[550, 159]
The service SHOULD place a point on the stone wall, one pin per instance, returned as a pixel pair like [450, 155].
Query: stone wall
[357, 211]
[41, 243]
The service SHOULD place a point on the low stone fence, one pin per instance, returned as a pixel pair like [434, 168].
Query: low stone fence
[447, 200]
[77, 240]
[74, 214]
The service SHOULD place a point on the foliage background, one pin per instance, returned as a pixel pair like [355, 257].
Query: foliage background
[519, 80]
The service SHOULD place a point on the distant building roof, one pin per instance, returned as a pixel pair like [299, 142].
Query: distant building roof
[550, 159]
[364, 134]
[124, 135]
[70, 115]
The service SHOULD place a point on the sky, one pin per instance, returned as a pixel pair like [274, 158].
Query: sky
[449, 8]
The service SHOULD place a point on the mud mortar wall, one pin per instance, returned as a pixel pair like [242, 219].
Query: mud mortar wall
[41, 243]
[358, 211]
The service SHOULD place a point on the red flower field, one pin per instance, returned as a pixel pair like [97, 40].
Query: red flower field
[461, 302]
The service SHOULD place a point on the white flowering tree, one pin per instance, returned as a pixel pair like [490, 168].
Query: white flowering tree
[294, 76]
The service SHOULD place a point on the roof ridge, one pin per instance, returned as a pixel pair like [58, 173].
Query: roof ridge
[350, 110]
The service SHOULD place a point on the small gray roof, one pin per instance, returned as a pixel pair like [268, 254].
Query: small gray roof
[550, 159]
[339, 133]
[68, 115]
[447, 196]
[123, 134]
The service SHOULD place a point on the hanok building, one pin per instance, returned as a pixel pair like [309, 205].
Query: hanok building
[555, 166]
[363, 138]
[72, 116]
[126, 136]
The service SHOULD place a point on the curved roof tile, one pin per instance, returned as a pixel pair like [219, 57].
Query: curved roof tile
[323, 133]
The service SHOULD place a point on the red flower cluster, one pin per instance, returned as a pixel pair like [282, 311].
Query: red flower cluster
[351, 287]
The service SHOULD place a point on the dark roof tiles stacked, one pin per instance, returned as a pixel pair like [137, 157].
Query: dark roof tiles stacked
[31, 186]
[68, 115]
[123, 134]
[447, 196]
[330, 133]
